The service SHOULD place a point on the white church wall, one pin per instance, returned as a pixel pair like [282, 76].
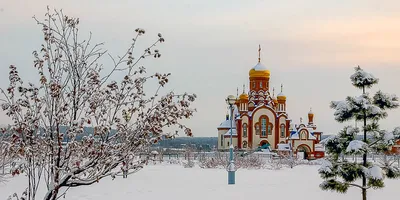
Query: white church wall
[256, 138]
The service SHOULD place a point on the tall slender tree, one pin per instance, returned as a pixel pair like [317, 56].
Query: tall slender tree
[339, 173]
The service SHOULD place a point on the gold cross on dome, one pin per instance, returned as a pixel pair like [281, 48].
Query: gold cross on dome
[259, 53]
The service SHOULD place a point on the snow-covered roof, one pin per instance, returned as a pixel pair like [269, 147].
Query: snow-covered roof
[281, 94]
[295, 134]
[229, 132]
[227, 124]
[283, 147]
[259, 67]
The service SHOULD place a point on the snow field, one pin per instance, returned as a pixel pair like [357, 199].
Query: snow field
[165, 181]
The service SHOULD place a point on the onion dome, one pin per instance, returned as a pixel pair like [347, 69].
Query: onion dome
[244, 96]
[310, 114]
[275, 100]
[259, 71]
[281, 97]
[273, 97]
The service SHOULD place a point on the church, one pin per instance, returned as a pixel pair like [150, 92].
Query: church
[261, 120]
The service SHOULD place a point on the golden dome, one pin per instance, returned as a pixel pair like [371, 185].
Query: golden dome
[275, 100]
[281, 97]
[310, 113]
[259, 71]
[244, 96]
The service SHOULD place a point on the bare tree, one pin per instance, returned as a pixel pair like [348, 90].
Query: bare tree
[76, 125]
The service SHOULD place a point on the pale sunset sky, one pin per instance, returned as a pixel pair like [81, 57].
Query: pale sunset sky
[310, 46]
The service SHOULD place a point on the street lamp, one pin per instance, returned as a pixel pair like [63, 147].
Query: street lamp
[230, 100]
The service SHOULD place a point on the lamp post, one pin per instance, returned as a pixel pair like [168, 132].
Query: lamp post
[230, 100]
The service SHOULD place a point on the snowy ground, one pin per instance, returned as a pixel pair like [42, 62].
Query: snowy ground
[178, 183]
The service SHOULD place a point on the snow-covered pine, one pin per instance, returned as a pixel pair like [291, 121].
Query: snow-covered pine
[362, 79]
[339, 174]
[75, 125]
[356, 147]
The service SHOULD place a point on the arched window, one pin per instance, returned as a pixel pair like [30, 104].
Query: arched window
[254, 84]
[269, 129]
[222, 140]
[282, 130]
[228, 144]
[264, 127]
[261, 85]
[244, 144]
[303, 135]
[258, 129]
[244, 130]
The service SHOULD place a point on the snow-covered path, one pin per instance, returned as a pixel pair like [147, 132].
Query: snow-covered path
[177, 183]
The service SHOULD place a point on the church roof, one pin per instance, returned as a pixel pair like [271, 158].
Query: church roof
[295, 134]
[284, 147]
[227, 124]
[229, 132]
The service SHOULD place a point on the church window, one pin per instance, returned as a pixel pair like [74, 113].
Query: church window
[257, 129]
[261, 85]
[222, 140]
[254, 84]
[244, 144]
[303, 135]
[244, 130]
[228, 144]
[282, 130]
[264, 127]
[269, 129]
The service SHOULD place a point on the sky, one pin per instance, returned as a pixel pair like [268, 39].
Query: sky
[310, 46]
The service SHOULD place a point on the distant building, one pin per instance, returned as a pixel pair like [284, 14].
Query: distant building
[260, 120]
[395, 149]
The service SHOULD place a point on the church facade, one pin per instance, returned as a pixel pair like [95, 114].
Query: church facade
[260, 119]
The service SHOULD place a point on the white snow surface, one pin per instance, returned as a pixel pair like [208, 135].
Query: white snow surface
[388, 136]
[260, 67]
[228, 133]
[326, 167]
[375, 172]
[356, 146]
[164, 181]
[227, 124]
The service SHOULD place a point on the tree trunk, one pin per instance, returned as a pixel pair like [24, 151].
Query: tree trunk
[364, 178]
[364, 194]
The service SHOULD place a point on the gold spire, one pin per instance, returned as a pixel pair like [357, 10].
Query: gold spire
[273, 91]
[243, 88]
[259, 53]
[281, 87]
[237, 91]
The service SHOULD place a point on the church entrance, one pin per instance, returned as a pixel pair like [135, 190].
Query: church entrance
[303, 151]
[264, 146]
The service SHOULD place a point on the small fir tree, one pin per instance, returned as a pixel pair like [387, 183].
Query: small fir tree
[340, 174]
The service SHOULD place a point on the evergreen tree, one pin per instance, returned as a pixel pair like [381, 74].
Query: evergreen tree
[340, 174]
